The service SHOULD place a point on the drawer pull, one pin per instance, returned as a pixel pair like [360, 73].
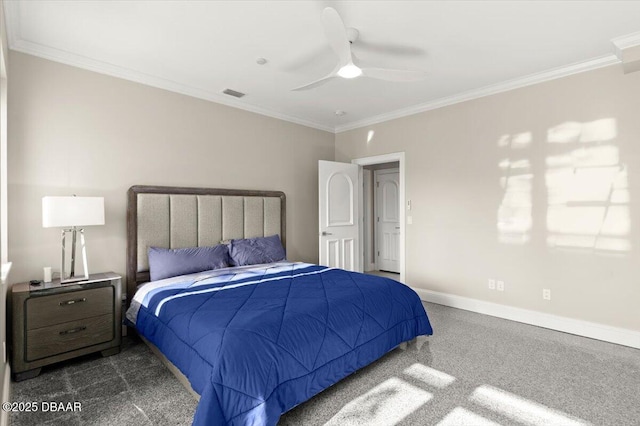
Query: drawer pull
[73, 330]
[72, 301]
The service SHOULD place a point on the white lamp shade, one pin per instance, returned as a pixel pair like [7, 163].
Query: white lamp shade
[61, 212]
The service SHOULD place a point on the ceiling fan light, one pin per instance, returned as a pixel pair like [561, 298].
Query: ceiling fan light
[349, 71]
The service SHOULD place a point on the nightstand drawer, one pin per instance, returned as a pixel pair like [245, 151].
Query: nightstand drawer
[74, 305]
[59, 338]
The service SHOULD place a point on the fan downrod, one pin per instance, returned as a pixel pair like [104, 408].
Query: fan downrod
[352, 34]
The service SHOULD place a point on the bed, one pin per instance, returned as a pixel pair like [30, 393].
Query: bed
[253, 341]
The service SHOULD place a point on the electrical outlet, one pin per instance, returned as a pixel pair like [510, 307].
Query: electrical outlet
[492, 284]
[500, 285]
[546, 293]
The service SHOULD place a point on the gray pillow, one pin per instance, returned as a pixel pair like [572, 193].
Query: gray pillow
[167, 263]
[252, 251]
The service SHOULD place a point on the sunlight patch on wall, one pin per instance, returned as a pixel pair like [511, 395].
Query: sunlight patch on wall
[594, 131]
[370, 135]
[572, 185]
[520, 409]
[515, 212]
[597, 156]
[587, 189]
[612, 244]
[517, 141]
[386, 404]
[514, 215]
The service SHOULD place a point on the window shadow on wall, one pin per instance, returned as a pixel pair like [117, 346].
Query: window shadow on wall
[586, 183]
[515, 211]
[587, 188]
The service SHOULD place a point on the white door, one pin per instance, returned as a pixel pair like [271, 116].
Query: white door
[388, 220]
[339, 215]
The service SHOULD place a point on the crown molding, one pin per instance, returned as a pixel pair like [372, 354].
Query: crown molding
[162, 83]
[152, 80]
[18, 44]
[12, 9]
[620, 44]
[493, 89]
[629, 40]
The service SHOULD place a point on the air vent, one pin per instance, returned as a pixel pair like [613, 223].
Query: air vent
[233, 93]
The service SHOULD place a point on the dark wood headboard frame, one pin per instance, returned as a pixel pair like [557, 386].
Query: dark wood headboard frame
[134, 278]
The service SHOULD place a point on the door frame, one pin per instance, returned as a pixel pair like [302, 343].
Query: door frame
[367, 217]
[380, 159]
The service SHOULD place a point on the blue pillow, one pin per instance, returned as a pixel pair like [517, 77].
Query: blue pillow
[252, 251]
[167, 263]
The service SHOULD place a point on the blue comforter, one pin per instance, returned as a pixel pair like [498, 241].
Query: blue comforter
[256, 342]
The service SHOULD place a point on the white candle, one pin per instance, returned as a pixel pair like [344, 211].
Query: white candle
[47, 274]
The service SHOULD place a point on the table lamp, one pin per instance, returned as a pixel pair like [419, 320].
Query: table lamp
[72, 214]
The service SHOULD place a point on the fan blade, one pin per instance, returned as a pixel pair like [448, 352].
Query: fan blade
[387, 48]
[320, 81]
[316, 83]
[394, 75]
[336, 33]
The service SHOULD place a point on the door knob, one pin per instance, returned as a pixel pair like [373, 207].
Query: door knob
[397, 227]
[324, 234]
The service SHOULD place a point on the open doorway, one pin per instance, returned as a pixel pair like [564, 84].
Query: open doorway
[383, 219]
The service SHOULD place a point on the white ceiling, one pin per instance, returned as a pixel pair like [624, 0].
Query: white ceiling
[468, 48]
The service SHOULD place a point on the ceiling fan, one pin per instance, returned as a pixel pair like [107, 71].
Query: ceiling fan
[340, 39]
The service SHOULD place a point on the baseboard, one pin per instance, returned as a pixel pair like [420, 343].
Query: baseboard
[6, 394]
[620, 336]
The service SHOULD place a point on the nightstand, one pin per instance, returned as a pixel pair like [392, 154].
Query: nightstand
[53, 322]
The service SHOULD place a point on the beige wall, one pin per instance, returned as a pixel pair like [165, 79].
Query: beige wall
[77, 132]
[564, 220]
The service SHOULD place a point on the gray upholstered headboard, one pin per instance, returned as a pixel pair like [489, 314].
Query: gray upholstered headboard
[175, 217]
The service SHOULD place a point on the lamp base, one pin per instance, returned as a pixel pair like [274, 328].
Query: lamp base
[73, 278]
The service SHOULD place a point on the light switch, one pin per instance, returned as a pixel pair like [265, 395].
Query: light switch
[409, 205]
[409, 220]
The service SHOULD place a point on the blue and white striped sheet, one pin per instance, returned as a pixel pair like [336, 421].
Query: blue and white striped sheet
[201, 282]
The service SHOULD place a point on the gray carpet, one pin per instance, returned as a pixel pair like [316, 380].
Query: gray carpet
[475, 370]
